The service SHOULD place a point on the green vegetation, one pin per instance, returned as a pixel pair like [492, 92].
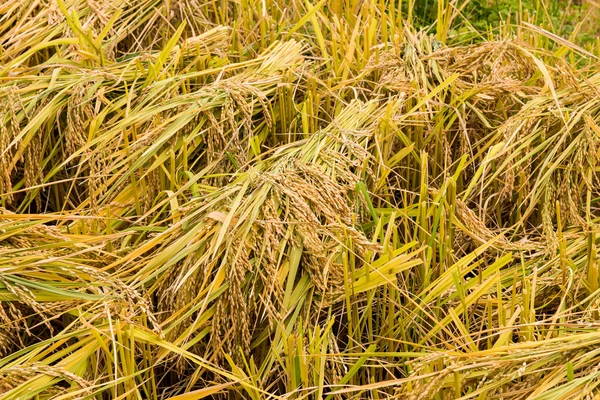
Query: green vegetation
[298, 199]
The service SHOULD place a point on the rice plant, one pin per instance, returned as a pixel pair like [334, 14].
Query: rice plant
[308, 200]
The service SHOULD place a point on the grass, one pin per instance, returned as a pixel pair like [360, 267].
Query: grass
[266, 199]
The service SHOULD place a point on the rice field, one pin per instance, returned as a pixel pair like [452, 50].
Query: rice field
[301, 199]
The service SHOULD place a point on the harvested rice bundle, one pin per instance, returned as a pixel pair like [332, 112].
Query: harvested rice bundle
[103, 129]
[549, 161]
[240, 253]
